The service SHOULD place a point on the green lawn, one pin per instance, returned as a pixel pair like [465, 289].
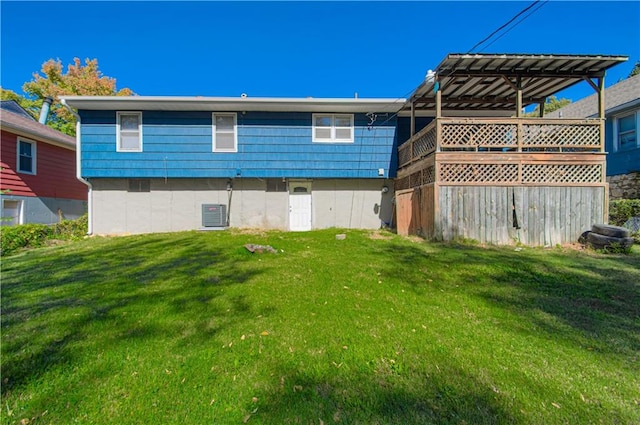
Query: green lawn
[190, 328]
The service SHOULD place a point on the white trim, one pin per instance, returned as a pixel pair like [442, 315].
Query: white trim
[225, 104]
[34, 156]
[616, 134]
[214, 148]
[118, 131]
[333, 129]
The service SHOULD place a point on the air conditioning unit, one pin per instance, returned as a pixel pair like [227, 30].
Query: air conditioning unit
[214, 215]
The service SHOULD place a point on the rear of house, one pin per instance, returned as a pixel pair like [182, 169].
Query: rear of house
[38, 172]
[160, 164]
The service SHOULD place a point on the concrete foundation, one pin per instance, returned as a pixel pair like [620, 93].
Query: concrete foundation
[176, 204]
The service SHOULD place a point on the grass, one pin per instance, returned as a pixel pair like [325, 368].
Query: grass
[374, 329]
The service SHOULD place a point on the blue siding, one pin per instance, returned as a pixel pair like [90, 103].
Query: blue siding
[270, 144]
[620, 162]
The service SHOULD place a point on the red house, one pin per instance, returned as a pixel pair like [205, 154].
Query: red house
[37, 171]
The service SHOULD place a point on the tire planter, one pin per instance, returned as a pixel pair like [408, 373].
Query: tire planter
[604, 236]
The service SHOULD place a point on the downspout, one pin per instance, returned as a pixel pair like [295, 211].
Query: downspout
[79, 168]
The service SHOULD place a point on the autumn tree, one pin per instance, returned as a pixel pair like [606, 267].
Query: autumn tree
[78, 80]
[551, 104]
[635, 70]
[27, 104]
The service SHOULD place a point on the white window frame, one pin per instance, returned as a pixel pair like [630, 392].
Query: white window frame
[119, 131]
[616, 134]
[34, 156]
[214, 148]
[333, 138]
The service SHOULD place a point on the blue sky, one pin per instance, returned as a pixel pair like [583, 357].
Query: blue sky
[298, 49]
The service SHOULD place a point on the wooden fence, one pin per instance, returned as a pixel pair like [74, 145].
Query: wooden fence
[534, 215]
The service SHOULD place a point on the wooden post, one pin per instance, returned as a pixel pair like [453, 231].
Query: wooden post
[519, 112]
[438, 102]
[519, 97]
[541, 109]
[413, 120]
[438, 116]
[601, 110]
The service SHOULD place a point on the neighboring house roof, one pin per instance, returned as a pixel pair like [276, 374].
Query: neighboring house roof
[619, 96]
[13, 106]
[243, 103]
[26, 127]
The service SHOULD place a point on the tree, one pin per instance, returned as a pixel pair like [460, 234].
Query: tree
[28, 104]
[551, 104]
[635, 70]
[79, 80]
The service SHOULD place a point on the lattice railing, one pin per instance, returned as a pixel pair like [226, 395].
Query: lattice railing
[506, 135]
[420, 145]
[561, 136]
[403, 183]
[561, 173]
[425, 142]
[503, 173]
[416, 179]
[404, 154]
[478, 173]
[456, 136]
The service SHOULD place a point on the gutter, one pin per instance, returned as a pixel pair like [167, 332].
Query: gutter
[79, 168]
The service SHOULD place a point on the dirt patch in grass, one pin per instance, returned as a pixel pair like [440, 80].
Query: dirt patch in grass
[380, 235]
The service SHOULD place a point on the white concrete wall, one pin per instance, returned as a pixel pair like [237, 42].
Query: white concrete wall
[176, 204]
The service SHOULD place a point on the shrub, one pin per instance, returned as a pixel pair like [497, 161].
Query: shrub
[621, 210]
[71, 229]
[23, 236]
[34, 235]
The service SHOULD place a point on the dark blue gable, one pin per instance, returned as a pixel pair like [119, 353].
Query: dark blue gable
[270, 144]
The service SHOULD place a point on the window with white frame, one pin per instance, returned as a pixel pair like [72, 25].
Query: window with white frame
[626, 127]
[333, 128]
[26, 160]
[129, 132]
[225, 132]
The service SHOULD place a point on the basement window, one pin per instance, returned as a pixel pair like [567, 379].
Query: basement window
[333, 128]
[129, 132]
[276, 185]
[139, 185]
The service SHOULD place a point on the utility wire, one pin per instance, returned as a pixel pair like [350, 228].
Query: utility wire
[515, 25]
[487, 38]
[503, 26]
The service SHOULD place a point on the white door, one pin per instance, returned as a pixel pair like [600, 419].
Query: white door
[299, 206]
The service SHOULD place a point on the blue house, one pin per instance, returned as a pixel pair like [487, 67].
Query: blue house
[455, 160]
[160, 164]
[622, 112]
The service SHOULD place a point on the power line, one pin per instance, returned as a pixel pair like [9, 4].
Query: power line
[503, 26]
[515, 25]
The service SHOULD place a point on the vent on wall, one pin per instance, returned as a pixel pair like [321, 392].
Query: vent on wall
[214, 215]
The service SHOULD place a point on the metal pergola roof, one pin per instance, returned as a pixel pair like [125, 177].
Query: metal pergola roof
[490, 81]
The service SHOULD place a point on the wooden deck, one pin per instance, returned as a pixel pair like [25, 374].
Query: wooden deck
[502, 180]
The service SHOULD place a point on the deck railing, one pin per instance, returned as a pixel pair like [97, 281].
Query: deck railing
[504, 135]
